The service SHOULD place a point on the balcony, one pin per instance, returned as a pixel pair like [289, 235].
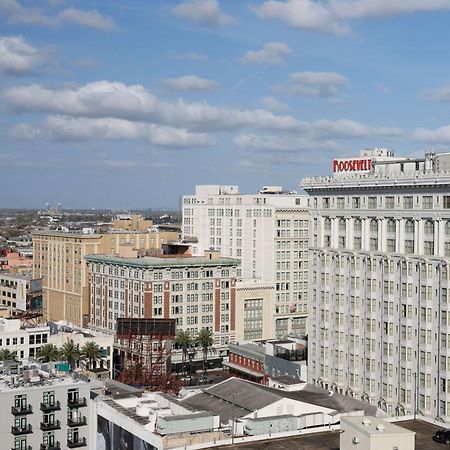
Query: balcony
[77, 422]
[76, 402]
[20, 410]
[75, 444]
[49, 407]
[55, 446]
[18, 431]
[50, 426]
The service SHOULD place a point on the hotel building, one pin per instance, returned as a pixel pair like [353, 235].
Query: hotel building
[267, 231]
[379, 304]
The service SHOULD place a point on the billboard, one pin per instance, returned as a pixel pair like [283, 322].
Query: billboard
[161, 328]
[21, 295]
[352, 165]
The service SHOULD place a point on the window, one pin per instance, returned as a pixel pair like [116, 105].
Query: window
[409, 226]
[326, 202]
[372, 202]
[356, 202]
[342, 225]
[374, 225]
[357, 242]
[427, 202]
[390, 204]
[409, 246]
[357, 225]
[391, 226]
[391, 245]
[408, 202]
[374, 244]
[327, 223]
[340, 202]
[446, 201]
[428, 247]
[429, 227]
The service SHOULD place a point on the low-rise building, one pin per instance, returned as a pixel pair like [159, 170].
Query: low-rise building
[44, 409]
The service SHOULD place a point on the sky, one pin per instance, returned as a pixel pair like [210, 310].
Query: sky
[130, 104]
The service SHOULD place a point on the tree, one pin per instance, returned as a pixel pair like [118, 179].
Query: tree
[71, 353]
[7, 355]
[205, 341]
[48, 353]
[91, 352]
[183, 340]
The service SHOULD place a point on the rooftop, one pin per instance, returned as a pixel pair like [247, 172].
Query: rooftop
[157, 262]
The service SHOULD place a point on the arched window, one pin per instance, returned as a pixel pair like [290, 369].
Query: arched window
[374, 225]
[409, 226]
[342, 224]
[447, 227]
[357, 225]
[429, 227]
[327, 223]
[391, 226]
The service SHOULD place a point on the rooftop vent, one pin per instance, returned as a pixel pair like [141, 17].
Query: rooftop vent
[366, 422]
[381, 427]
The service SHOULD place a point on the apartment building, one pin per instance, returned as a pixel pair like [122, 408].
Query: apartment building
[59, 260]
[198, 292]
[20, 292]
[44, 410]
[23, 341]
[267, 231]
[379, 281]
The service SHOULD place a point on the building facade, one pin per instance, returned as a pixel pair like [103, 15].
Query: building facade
[267, 231]
[198, 292]
[59, 260]
[54, 414]
[379, 279]
[20, 292]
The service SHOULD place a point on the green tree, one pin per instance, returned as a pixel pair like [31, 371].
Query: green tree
[183, 341]
[205, 341]
[91, 352]
[71, 353]
[7, 355]
[48, 353]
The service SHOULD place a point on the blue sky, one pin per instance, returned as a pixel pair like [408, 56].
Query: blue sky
[130, 104]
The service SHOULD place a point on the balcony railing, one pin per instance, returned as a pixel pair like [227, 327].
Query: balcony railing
[55, 446]
[76, 402]
[50, 426]
[17, 431]
[48, 407]
[75, 444]
[19, 410]
[77, 422]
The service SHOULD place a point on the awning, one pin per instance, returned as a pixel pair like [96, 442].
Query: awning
[243, 369]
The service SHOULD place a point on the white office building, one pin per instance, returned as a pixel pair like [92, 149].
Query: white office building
[379, 276]
[267, 231]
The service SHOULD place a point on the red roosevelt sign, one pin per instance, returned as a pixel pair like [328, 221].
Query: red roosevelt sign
[351, 165]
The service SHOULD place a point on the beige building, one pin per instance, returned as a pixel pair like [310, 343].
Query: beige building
[58, 257]
[132, 222]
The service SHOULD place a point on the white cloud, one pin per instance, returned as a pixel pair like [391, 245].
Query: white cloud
[307, 14]
[189, 56]
[332, 16]
[437, 94]
[16, 13]
[203, 12]
[323, 84]
[84, 128]
[273, 104]
[433, 136]
[17, 57]
[271, 53]
[90, 19]
[189, 83]
[25, 131]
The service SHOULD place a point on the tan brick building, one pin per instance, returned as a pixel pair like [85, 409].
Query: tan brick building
[58, 257]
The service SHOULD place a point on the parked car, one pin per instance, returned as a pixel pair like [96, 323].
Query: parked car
[442, 436]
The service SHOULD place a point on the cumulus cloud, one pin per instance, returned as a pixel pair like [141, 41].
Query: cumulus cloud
[90, 19]
[332, 16]
[437, 94]
[203, 12]
[189, 56]
[273, 104]
[84, 128]
[433, 136]
[17, 57]
[17, 13]
[271, 53]
[189, 83]
[323, 84]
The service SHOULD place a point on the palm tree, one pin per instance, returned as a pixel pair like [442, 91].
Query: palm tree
[7, 355]
[71, 353]
[204, 340]
[91, 352]
[183, 341]
[48, 353]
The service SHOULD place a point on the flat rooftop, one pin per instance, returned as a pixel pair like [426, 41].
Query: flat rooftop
[163, 261]
[330, 440]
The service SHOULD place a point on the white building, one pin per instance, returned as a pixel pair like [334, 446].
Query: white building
[379, 270]
[44, 409]
[267, 231]
[22, 340]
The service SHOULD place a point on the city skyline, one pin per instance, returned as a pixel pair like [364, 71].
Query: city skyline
[106, 105]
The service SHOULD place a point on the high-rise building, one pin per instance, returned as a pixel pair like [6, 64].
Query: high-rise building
[198, 292]
[58, 257]
[379, 281]
[267, 231]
